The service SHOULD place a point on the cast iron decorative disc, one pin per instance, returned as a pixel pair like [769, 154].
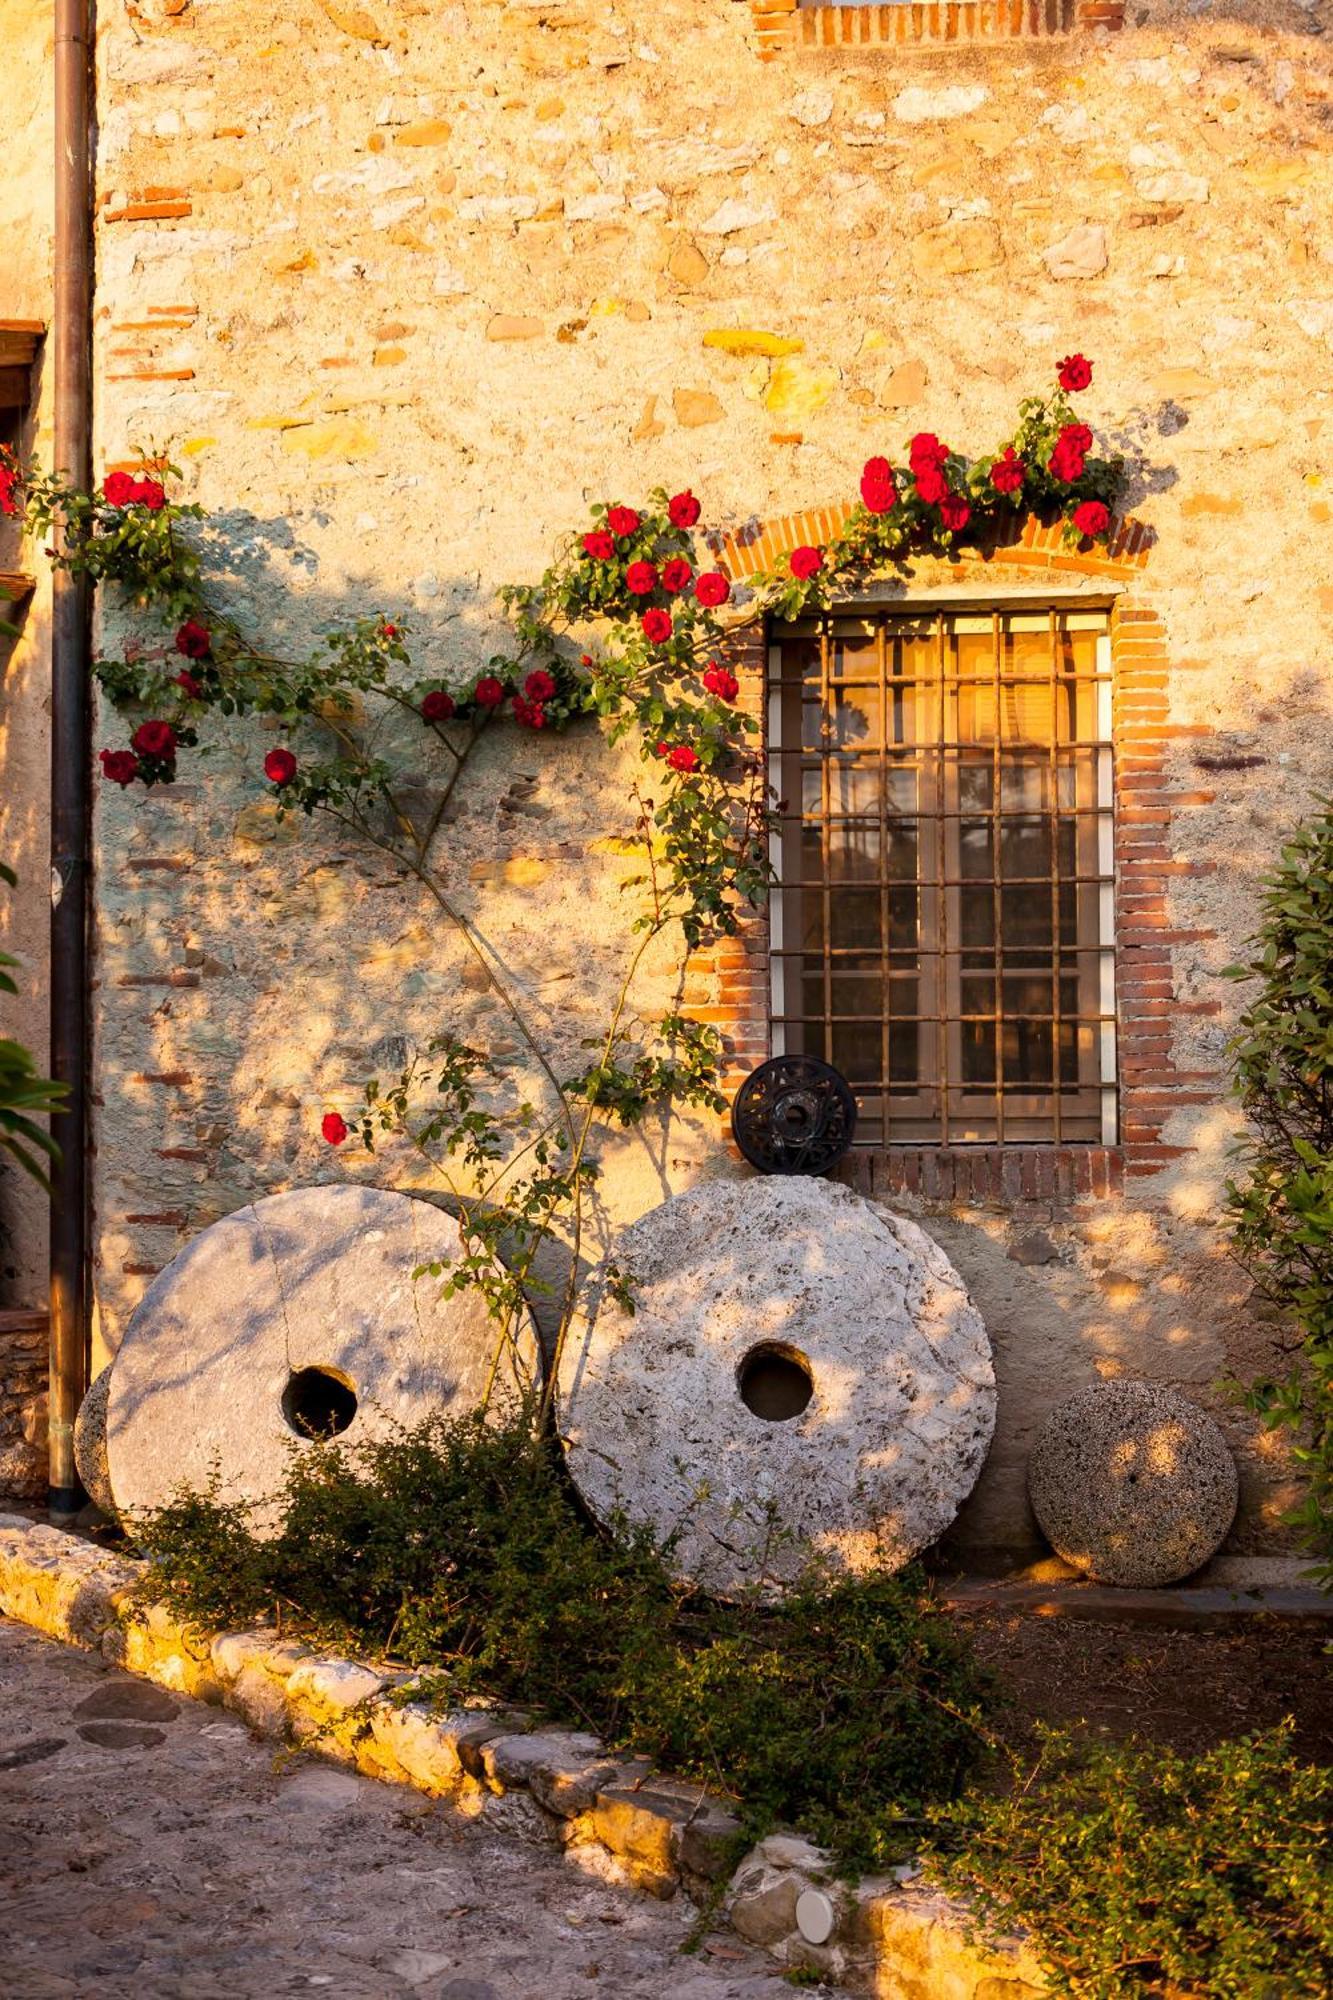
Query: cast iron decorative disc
[794, 1115]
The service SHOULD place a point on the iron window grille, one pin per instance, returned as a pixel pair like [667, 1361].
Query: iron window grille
[943, 922]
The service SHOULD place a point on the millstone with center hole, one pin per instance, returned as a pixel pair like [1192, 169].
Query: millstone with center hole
[293, 1319]
[804, 1377]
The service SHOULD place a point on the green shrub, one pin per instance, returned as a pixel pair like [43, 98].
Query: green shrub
[1140, 1871]
[1281, 1211]
[459, 1546]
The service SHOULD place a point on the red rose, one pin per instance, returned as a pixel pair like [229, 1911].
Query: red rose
[148, 493]
[280, 767]
[720, 680]
[119, 489]
[585, 659]
[1092, 518]
[1075, 372]
[641, 578]
[931, 484]
[489, 692]
[657, 627]
[1007, 473]
[954, 512]
[529, 714]
[539, 686]
[599, 545]
[806, 562]
[154, 739]
[676, 574]
[191, 686]
[389, 632]
[193, 639]
[437, 706]
[334, 1127]
[1078, 436]
[682, 758]
[1066, 463]
[712, 587]
[683, 509]
[926, 449]
[878, 492]
[119, 767]
[9, 480]
[661, 749]
[622, 521]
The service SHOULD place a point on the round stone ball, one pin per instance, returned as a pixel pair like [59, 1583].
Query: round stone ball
[803, 1386]
[293, 1319]
[1133, 1484]
[90, 1445]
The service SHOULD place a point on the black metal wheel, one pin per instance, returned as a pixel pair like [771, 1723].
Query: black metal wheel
[794, 1115]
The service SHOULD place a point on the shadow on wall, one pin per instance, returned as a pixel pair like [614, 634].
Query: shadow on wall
[255, 972]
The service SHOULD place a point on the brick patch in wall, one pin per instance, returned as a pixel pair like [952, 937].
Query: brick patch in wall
[729, 985]
[783, 26]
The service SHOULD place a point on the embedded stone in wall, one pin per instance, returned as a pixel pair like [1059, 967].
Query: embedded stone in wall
[90, 1445]
[804, 1377]
[297, 1316]
[1080, 254]
[1133, 1484]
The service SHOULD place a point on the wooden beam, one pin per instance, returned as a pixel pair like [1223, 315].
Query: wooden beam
[15, 588]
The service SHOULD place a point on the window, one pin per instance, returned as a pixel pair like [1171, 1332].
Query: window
[942, 929]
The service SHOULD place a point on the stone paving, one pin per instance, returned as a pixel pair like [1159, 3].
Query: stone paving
[152, 1849]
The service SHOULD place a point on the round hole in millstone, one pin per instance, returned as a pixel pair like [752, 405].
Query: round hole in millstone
[318, 1402]
[775, 1381]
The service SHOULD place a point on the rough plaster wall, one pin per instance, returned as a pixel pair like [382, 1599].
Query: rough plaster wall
[25, 293]
[432, 277]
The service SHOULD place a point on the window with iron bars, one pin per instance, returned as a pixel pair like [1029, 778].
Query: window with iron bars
[943, 922]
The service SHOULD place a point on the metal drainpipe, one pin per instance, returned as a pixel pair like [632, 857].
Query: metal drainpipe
[71, 749]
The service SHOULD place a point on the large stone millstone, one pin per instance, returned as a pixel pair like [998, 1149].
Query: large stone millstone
[90, 1445]
[1133, 1484]
[804, 1376]
[298, 1313]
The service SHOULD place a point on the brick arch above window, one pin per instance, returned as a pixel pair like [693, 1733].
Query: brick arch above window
[1028, 545]
[785, 26]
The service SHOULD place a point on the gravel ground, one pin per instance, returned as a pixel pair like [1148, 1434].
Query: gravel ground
[152, 1848]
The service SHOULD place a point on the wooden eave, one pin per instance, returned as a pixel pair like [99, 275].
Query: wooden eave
[15, 587]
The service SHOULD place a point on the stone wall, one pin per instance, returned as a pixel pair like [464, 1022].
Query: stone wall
[408, 285]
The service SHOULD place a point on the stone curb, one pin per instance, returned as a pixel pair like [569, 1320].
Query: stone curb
[891, 1936]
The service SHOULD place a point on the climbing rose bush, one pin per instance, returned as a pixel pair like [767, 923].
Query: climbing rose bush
[939, 500]
[625, 629]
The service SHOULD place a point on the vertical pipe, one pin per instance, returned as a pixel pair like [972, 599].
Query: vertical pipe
[70, 747]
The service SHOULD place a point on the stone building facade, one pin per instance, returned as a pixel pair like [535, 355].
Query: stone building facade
[404, 286]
